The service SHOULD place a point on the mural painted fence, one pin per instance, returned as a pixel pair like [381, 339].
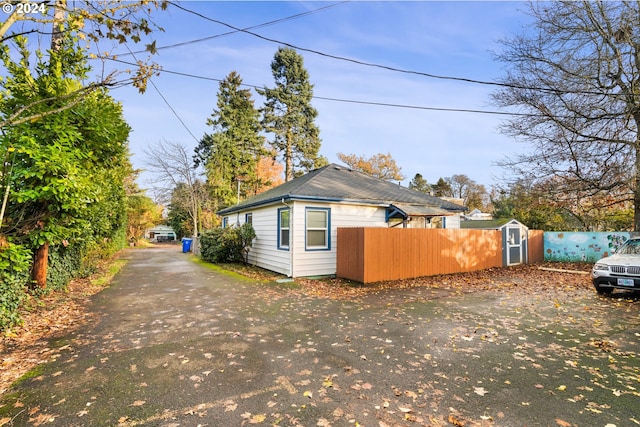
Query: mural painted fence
[371, 255]
[581, 246]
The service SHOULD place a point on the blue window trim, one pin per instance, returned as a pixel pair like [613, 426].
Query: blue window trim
[318, 248]
[247, 216]
[280, 210]
[225, 222]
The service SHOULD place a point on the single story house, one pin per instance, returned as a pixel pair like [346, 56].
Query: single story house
[515, 237]
[161, 233]
[296, 223]
[478, 215]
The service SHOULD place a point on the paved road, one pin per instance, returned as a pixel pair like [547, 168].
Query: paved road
[178, 344]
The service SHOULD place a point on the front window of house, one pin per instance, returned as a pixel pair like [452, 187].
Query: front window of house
[283, 228]
[248, 218]
[317, 228]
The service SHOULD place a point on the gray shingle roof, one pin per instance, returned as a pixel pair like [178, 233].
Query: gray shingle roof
[486, 224]
[336, 183]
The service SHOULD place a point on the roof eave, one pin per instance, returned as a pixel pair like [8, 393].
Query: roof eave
[300, 198]
[304, 198]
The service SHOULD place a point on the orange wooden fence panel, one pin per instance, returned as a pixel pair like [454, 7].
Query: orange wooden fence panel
[376, 254]
[536, 246]
[350, 254]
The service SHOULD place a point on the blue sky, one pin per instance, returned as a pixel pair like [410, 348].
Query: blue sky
[442, 38]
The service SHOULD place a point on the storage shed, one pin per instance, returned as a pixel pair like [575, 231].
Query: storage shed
[515, 237]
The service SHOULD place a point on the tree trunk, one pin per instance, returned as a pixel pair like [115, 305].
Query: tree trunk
[58, 22]
[195, 218]
[40, 264]
[41, 255]
[288, 160]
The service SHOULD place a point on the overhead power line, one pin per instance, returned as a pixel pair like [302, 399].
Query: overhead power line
[419, 107]
[350, 101]
[166, 101]
[328, 55]
[382, 66]
[331, 99]
[370, 64]
[253, 27]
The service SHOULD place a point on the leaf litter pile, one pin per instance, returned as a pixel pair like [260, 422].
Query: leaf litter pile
[539, 303]
[561, 279]
[54, 315]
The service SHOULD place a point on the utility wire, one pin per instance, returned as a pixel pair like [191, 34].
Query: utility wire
[363, 63]
[350, 101]
[418, 107]
[382, 66]
[175, 113]
[253, 27]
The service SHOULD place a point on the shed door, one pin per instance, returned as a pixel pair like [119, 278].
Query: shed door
[514, 245]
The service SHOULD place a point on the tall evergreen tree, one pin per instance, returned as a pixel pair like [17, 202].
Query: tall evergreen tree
[230, 154]
[289, 115]
[418, 183]
[442, 188]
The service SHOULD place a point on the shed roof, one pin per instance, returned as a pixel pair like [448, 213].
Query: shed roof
[336, 183]
[488, 224]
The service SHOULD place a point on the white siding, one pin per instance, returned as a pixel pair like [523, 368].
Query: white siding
[323, 262]
[265, 253]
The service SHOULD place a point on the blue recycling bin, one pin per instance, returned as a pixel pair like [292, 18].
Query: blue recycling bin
[186, 244]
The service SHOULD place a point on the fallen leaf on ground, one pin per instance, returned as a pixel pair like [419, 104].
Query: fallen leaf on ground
[480, 391]
[257, 419]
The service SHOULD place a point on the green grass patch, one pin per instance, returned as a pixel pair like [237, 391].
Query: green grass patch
[222, 270]
[104, 279]
[33, 373]
[248, 273]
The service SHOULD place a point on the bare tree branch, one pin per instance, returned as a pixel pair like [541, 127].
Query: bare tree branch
[173, 167]
[584, 137]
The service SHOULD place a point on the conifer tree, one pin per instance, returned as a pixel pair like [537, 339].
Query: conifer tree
[289, 115]
[230, 153]
[418, 183]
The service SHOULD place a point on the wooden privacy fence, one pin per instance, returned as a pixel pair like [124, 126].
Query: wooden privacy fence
[371, 255]
[536, 246]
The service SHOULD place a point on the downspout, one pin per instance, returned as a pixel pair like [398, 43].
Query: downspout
[290, 238]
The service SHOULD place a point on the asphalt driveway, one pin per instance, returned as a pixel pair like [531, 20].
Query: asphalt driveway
[177, 344]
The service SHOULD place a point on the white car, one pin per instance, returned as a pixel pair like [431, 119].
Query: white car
[620, 270]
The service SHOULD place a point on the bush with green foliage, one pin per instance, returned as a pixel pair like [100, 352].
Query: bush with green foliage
[65, 263]
[229, 244]
[15, 262]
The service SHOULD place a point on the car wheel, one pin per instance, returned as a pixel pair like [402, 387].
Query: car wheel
[603, 290]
